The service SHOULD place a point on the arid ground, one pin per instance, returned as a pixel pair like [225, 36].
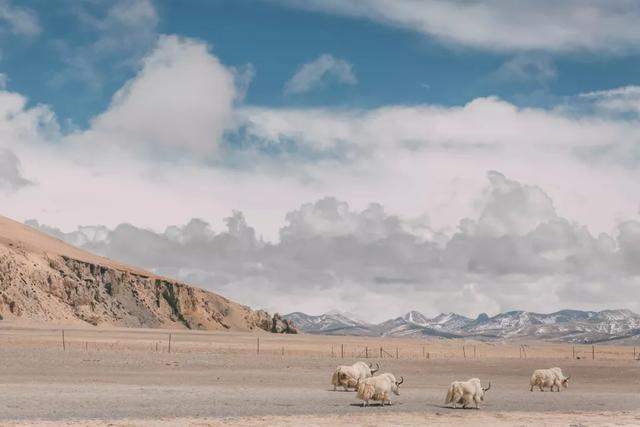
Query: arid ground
[129, 377]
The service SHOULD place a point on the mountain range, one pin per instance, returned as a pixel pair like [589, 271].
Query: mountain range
[565, 325]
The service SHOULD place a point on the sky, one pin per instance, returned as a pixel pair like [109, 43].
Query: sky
[369, 156]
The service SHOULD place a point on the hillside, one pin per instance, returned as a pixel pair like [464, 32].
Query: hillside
[44, 279]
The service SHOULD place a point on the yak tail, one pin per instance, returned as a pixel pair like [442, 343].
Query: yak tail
[449, 397]
[334, 378]
[360, 389]
[366, 391]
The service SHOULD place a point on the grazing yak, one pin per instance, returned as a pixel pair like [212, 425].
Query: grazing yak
[466, 393]
[551, 378]
[379, 388]
[348, 376]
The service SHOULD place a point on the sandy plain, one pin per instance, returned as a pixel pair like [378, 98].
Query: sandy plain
[126, 377]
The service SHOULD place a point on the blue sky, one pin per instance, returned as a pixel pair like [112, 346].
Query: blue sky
[393, 65]
[442, 156]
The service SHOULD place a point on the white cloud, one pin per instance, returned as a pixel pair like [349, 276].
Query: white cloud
[10, 172]
[547, 25]
[489, 124]
[179, 103]
[322, 69]
[525, 69]
[20, 20]
[117, 40]
[624, 99]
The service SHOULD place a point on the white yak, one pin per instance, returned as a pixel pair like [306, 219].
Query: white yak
[379, 388]
[551, 378]
[348, 376]
[466, 393]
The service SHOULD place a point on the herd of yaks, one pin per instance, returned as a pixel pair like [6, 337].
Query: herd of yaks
[378, 388]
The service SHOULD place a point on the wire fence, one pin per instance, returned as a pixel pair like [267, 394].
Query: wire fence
[161, 341]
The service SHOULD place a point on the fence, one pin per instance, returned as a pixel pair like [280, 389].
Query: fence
[299, 346]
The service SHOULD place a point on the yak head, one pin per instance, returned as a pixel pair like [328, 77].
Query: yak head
[484, 390]
[396, 386]
[565, 382]
[373, 371]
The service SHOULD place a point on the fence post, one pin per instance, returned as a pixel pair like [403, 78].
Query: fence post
[423, 352]
[573, 351]
[258, 346]
[332, 351]
[593, 352]
[474, 352]
[283, 351]
[366, 352]
[397, 357]
[381, 353]
[464, 353]
[169, 343]
[342, 351]
[634, 353]
[64, 345]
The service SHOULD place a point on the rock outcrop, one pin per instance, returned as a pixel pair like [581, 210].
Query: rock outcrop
[44, 279]
[280, 325]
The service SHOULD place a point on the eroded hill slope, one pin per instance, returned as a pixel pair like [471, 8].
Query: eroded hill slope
[45, 279]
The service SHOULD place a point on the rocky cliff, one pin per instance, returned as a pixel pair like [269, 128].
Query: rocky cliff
[44, 279]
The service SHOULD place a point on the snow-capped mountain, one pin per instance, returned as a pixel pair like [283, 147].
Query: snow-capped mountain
[332, 323]
[564, 325]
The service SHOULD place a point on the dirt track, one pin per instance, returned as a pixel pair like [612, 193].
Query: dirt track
[39, 381]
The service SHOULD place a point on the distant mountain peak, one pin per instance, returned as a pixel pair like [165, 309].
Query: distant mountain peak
[563, 325]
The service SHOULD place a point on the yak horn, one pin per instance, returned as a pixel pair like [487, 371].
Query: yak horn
[401, 381]
[487, 389]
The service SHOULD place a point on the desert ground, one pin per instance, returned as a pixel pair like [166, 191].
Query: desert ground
[125, 377]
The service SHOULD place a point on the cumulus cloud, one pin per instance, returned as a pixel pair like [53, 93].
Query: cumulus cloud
[323, 69]
[516, 254]
[180, 102]
[18, 20]
[594, 25]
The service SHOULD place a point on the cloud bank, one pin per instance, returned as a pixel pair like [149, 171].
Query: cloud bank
[517, 253]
